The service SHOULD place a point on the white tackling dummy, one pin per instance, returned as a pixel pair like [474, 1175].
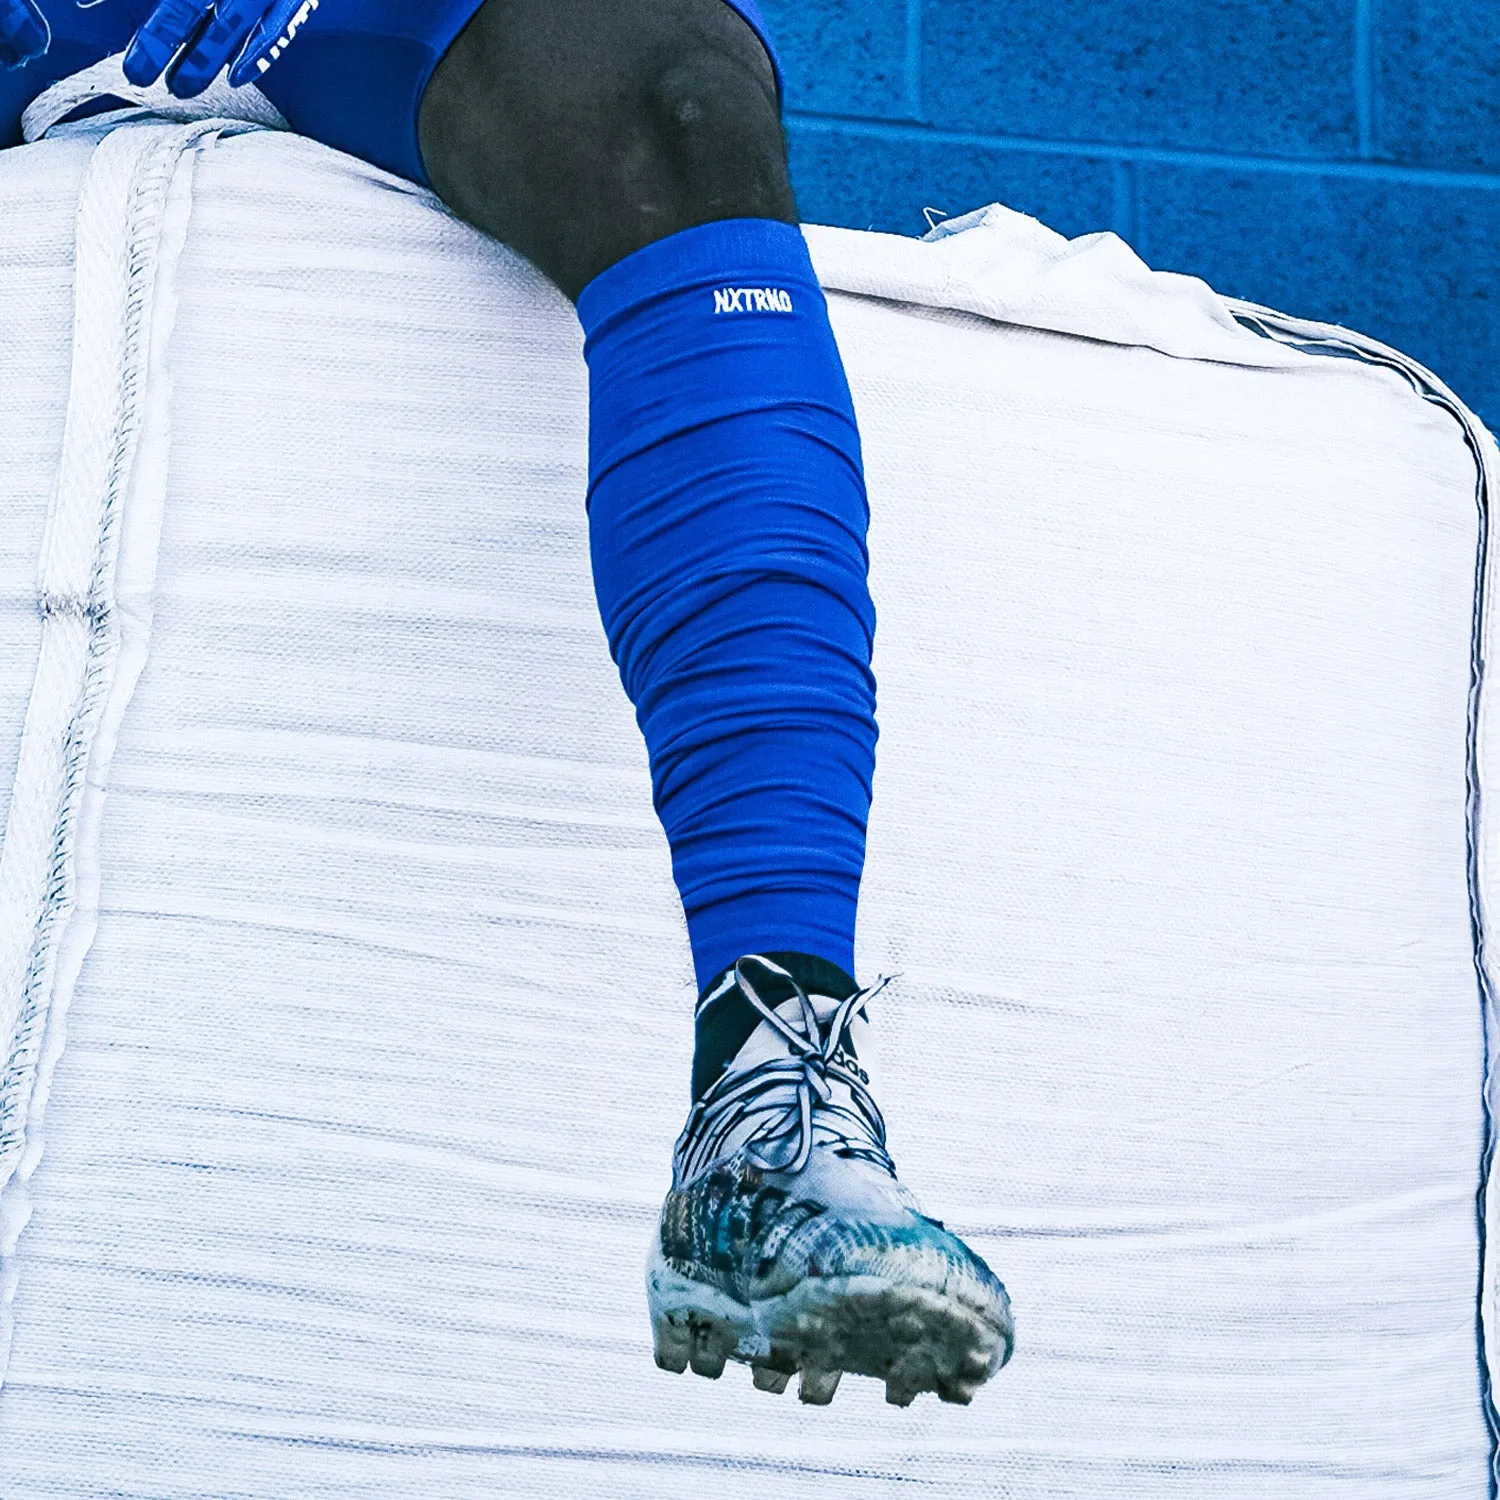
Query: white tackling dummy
[347, 993]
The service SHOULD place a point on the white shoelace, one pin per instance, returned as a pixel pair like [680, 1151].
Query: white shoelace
[794, 1094]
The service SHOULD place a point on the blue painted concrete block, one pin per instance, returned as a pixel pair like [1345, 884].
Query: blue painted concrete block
[1413, 265]
[843, 57]
[1272, 76]
[1437, 69]
[1416, 82]
[864, 181]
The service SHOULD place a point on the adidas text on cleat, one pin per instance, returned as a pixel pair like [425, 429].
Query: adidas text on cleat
[787, 1242]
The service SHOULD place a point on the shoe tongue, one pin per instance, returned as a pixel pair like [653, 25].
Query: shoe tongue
[766, 1042]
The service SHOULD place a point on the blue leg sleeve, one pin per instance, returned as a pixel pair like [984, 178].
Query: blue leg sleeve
[727, 521]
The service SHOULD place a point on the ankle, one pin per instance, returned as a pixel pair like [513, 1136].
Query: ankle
[725, 1018]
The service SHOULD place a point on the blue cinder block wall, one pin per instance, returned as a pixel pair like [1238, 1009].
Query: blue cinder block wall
[1338, 159]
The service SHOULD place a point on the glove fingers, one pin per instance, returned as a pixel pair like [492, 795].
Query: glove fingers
[24, 33]
[173, 25]
[219, 40]
[281, 23]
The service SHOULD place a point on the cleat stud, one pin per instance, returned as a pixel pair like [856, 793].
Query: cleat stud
[817, 1386]
[708, 1359]
[956, 1395]
[899, 1395]
[976, 1364]
[671, 1347]
[711, 1347]
[767, 1379]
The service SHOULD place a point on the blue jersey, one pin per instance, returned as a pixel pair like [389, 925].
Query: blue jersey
[353, 77]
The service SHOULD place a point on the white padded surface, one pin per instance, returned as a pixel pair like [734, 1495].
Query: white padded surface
[373, 1068]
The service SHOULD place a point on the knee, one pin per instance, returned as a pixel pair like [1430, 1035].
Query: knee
[717, 129]
[637, 133]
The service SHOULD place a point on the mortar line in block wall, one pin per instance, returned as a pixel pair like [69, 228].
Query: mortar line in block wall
[1364, 76]
[897, 132]
[913, 78]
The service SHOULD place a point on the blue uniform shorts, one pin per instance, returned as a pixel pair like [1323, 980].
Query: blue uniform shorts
[353, 78]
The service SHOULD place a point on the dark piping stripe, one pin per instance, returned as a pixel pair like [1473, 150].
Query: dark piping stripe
[1320, 339]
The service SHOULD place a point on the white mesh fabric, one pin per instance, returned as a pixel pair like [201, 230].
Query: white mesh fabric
[374, 1066]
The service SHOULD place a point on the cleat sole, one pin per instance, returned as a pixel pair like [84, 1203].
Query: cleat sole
[913, 1338]
[907, 1329]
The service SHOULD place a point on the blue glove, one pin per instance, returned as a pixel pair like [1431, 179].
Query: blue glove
[24, 33]
[203, 37]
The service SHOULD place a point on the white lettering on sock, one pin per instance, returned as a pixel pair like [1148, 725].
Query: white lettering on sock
[744, 299]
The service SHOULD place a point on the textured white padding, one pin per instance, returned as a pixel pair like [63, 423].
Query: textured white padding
[373, 1068]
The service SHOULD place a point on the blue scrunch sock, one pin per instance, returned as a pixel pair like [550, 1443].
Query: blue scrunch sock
[727, 521]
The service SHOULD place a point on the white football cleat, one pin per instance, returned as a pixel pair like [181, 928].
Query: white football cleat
[787, 1242]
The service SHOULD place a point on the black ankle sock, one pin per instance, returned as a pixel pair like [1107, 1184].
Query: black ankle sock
[724, 1026]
